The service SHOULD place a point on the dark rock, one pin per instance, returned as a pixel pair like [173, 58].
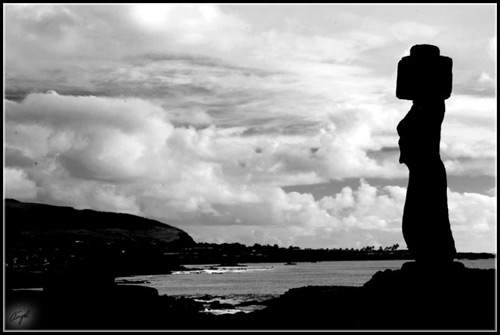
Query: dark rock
[218, 305]
[454, 297]
[125, 281]
[250, 303]
[411, 298]
[223, 264]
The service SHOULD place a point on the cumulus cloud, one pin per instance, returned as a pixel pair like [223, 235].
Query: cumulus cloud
[197, 115]
[296, 83]
[367, 215]
[472, 212]
[119, 139]
[125, 155]
[473, 218]
[468, 143]
[94, 138]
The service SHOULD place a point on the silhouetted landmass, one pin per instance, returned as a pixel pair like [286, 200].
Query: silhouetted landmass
[49, 241]
[44, 241]
[40, 235]
[74, 255]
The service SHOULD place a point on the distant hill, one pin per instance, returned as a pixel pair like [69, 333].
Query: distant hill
[40, 236]
[29, 221]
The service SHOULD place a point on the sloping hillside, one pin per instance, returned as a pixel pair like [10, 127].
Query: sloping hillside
[39, 221]
[40, 236]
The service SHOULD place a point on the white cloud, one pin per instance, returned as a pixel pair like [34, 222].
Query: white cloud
[368, 207]
[121, 30]
[471, 212]
[492, 48]
[352, 218]
[473, 107]
[124, 155]
[410, 30]
[473, 218]
[485, 79]
[95, 138]
[468, 142]
[18, 185]
[316, 80]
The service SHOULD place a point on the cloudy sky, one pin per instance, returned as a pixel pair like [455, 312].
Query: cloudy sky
[245, 123]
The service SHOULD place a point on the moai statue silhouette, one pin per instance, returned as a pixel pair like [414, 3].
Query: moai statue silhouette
[426, 78]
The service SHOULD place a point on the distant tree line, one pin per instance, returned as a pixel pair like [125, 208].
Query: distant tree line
[234, 253]
[237, 253]
[126, 258]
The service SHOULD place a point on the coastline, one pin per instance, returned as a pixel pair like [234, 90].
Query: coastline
[407, 298]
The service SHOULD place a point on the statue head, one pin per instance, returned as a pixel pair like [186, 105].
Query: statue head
[424, 74]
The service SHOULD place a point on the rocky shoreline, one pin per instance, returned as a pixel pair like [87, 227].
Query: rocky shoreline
[456, 298]
[410, 298]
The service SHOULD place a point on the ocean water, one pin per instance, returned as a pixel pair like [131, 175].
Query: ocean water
[248, 286]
